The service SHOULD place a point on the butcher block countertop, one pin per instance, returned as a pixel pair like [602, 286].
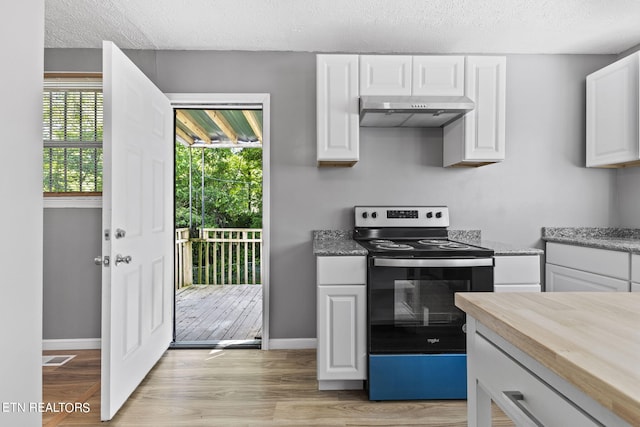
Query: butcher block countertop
[591, 339]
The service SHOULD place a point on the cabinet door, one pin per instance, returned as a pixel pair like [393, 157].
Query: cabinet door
[338, 126]
[478, 137]
[612, 113]
[438, 75]
[341, 350]
[562, 279]
[385, 75]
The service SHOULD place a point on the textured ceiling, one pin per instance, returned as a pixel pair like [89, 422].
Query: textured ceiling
[384, 26]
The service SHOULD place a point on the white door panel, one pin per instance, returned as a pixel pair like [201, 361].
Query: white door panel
[137, 177]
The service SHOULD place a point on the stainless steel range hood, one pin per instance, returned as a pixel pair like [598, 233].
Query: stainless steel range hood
[412, 111]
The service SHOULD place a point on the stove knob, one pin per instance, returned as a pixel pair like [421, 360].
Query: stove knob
[438, 214]
[374, 214]
[429, 214]
[365, 215]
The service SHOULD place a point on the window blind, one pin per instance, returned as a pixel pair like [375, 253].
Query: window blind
[72, 131]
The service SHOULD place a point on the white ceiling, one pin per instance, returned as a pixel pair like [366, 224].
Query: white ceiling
[383, 26]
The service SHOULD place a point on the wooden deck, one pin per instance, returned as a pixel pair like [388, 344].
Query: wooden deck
[206, 313]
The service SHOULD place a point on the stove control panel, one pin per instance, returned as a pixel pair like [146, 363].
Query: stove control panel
[402, 216]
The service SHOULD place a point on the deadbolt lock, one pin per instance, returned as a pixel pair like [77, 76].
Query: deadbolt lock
[101, 261]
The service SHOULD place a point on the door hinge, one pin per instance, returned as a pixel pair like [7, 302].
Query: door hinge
[107, 234]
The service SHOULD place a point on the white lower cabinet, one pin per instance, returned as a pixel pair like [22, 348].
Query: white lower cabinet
[341, 311]
[593, 260]
[517, 273]
[341, 322]
[635, 287]
[521, 394]
[563, 279]
[572, 268]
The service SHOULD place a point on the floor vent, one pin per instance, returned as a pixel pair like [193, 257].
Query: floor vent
[57, 360]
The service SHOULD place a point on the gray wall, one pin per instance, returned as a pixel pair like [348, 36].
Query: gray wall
[543, 182]
[629, 185]
[629, 197]
[21, 43]
[72, 282]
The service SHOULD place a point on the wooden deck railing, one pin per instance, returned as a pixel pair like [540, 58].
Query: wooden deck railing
[218, 256]
[183, 259]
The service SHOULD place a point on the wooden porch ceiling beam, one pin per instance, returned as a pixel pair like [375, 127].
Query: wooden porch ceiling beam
[192, 126]
[223, 124]
[250, 115]
[185, 136]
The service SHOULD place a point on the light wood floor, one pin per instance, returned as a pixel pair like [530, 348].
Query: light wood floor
[245, 388]
[76, 381]
[218, 312]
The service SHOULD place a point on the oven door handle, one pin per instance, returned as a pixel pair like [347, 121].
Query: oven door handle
[445, 263]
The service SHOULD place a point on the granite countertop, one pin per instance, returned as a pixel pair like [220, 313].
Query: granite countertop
[506, 249]
[473, 237]
[563, 331]
[336, 243]
[341, 243]
[615, 239]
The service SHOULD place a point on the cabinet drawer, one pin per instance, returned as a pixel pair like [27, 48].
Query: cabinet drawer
[635, 268]
[519, 287]
[341, 270]
[562, 279]
[499, 375]
[517, 269]
[599, 261]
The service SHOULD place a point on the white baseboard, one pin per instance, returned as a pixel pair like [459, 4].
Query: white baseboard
[292, 343]
[72, 344]
[95, 344]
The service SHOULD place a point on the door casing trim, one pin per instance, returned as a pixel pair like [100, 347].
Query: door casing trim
[217, 100]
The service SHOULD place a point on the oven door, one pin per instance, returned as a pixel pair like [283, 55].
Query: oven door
[411, 302]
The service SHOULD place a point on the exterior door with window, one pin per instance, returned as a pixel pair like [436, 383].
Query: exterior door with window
[137, 228]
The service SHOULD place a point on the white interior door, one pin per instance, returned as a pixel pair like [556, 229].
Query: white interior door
[137, 228]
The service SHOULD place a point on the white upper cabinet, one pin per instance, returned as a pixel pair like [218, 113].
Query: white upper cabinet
[405, 75]
[338, 120]
[478, 138]
[438, 75]
[612, 114]
[385, 75]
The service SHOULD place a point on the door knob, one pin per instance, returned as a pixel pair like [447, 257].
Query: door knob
[101, 261]
[120, 233]
[123, 259]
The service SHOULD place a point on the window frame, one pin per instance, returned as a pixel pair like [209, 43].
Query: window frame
[72, 80]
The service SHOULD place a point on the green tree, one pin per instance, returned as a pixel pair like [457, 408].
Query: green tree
[232, 187]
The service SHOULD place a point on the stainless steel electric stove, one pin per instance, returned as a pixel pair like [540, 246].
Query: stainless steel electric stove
[416, 334]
